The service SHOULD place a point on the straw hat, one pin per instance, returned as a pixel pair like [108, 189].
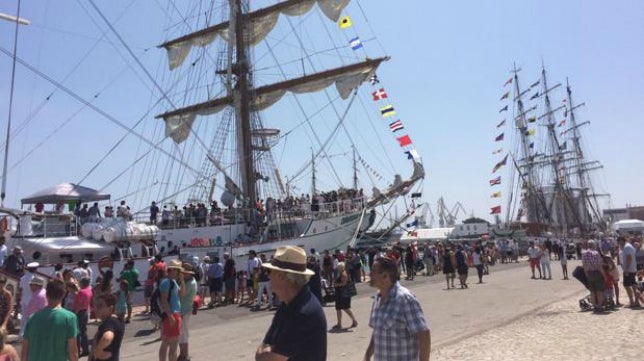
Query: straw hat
[187, 268]
[37, 281]
[291, 259]
[175, 263]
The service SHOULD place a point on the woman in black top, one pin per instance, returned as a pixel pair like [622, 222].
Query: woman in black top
[107, 341]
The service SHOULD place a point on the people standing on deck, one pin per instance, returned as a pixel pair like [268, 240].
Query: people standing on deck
[94, 213]
[109, 212]
[154, 212]
[165, 216]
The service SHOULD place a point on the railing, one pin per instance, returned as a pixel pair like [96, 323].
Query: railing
[282, 213]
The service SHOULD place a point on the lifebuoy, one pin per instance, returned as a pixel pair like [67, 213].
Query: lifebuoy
[4, 224]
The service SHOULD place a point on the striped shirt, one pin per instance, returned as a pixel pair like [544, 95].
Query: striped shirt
[395, 323]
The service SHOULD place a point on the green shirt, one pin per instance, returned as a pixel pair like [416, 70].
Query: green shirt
[131, 276]
[186, 302]
[48, 332]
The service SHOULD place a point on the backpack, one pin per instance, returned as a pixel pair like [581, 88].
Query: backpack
[156, 311]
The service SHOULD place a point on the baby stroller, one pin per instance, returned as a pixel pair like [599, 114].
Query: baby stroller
[579, 274]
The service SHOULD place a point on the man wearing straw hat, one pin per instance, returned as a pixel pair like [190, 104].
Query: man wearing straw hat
[298, 330]
[171, 307]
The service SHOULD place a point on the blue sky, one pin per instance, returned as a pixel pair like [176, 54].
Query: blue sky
[445, 78]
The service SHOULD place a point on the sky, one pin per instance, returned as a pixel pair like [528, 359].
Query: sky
[449, 61]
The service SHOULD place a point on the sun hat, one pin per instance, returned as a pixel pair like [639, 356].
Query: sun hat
[187, 268]
[291, 259]
[206, 258]
[175, 263]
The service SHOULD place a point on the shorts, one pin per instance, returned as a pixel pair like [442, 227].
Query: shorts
[185, 326]
[148, 290]
[168, 330]
[249, 283]
[215, 285]
[534, 262]
[629, 279]
[230, 284]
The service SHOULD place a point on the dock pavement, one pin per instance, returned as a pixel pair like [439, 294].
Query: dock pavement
[508, 317]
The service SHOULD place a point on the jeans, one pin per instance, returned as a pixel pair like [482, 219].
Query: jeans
[83, 344]
[545, 266]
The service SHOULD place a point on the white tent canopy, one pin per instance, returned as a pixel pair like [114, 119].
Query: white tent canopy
[629, 225]
[65, 192]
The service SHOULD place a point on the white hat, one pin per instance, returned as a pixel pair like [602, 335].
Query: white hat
[206, 258]
[291, 259]
[33, 265]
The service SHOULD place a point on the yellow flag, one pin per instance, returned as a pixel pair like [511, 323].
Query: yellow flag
[345, 22]
[496, 195]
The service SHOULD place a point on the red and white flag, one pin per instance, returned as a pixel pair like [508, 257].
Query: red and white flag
[379, 94]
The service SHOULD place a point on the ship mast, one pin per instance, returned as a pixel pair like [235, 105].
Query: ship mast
[241, 101]
[587, 200]
[535, 212]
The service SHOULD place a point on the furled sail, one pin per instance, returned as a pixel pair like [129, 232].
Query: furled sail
[261, 22]
[346, 79]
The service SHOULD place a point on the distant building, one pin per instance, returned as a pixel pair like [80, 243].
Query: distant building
[470, 230]
[426, 234]
[619, 214]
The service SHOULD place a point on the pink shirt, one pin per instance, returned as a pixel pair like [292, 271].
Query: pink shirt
[37, 302]
[82, 299]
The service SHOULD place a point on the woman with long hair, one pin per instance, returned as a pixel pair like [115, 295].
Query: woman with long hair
[342, 297]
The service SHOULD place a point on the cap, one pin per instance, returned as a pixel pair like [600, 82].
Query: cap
[17, 248]
[33, 265]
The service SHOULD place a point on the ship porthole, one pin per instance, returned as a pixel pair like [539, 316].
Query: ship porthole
[36, 255]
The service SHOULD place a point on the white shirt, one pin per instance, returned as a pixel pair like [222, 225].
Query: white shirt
[252, 264]
[26, 290]
[3, 254]
[628, 250]
[533, 252]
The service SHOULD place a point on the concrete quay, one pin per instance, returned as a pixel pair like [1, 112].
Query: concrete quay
[508, 317]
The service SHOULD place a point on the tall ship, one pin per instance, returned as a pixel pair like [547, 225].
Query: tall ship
[550, 188]
[266, 124]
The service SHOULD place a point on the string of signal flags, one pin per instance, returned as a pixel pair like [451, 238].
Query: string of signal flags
[381, 98]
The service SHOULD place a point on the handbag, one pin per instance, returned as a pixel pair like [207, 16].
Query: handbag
[349, 290]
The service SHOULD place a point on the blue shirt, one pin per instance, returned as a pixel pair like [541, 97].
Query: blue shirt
[298, 330]
[216, 270]
[395, 323]
[175, 305]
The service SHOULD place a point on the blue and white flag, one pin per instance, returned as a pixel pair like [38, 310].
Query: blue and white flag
[355, 43]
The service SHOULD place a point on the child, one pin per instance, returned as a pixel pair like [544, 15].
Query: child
[242, 277]
[609, 281]
[122, 297]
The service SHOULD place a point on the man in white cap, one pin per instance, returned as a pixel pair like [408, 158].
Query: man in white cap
[298, 330]
[25, 291]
